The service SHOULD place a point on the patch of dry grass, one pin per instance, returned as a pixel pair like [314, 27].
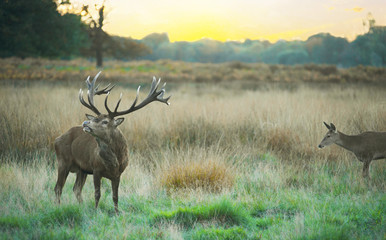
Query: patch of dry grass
[211, 175]
[182, 72]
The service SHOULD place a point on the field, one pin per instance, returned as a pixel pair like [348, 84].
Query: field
[228, 159]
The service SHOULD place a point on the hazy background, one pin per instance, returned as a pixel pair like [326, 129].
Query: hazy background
[231, 20]
[343, 33]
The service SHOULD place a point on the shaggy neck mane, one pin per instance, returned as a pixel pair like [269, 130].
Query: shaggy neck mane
[113, 149]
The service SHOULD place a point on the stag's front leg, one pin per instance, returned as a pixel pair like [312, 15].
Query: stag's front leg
[115, 185]
[97, 186]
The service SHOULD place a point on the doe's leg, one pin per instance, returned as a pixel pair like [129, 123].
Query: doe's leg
[366, 166]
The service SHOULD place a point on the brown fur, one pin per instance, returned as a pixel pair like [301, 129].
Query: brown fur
[103, 154]
[98, 147]
[366, 146]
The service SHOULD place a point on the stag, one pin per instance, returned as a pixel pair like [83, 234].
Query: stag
[366, 146]
[98, 147]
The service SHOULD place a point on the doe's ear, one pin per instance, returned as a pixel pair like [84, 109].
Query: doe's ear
[89, 117]
[333, 127]
[118, 121]
[328, 127]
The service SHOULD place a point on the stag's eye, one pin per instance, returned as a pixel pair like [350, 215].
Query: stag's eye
[328, 136]
[105, 122]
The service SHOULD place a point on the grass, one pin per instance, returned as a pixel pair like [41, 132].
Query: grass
[275, 183]
[247, 74]
[207, 174]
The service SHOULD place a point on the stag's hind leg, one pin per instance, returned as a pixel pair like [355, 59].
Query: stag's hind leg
[79, 183]
[62, 176]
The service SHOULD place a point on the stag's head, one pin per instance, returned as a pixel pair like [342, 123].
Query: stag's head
[331, 136]
[102, 125]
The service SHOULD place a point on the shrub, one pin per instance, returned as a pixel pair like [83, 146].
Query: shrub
[223, 212]
[282, 140]
[209, 175]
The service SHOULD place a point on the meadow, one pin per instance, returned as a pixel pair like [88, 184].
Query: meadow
[231, 158]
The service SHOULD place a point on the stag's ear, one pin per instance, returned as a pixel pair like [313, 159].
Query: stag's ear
[118, 121]
[328, 127]
[90, 117]
[333, 127]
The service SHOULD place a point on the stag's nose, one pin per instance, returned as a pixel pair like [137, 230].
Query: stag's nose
[320, 146]
[85, 123]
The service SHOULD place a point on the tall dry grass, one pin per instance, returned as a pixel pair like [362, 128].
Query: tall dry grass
[242, 123]
[199, 115]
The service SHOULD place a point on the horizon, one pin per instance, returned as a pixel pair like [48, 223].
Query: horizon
[239, 20]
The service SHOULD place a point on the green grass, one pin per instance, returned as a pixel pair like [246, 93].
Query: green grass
[223, 212]
[247, 212]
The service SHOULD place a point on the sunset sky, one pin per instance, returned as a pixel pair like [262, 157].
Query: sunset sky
[191, 20]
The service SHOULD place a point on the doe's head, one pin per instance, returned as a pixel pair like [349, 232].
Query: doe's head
[331, 136]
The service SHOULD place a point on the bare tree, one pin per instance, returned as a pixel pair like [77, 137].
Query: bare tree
[96, 33]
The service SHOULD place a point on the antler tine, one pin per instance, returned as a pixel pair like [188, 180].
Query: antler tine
[119, 101]
[153, 95]
[104, 90]
[91, 92]
[160, 96]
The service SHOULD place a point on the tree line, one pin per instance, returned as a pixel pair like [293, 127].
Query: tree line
[322, 48]
[35, 28]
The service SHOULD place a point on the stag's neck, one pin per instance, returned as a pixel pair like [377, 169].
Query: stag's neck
[348, 142]
[113, 147]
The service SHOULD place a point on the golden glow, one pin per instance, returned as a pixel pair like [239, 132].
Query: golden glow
[223, 20]
[356, 9]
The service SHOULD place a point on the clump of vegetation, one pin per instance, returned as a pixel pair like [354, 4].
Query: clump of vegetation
[222, 212]
[206, 174]
[282, 140]
[233, 233]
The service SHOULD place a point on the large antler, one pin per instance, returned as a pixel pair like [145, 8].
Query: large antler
[153, 95]
[91, 92]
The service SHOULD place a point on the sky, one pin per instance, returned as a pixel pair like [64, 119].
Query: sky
[237, 20]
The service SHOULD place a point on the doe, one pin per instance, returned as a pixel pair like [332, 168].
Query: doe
[366, 146]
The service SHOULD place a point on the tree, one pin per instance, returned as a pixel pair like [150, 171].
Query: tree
[325, 48]
[96, 33]
[125, 48]
[34, 28]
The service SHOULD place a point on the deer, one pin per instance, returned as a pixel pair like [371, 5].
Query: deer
[98, 147]
[366, 146]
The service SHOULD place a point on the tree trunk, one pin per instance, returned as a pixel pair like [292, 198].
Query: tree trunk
[99, 39]
[98, 48]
